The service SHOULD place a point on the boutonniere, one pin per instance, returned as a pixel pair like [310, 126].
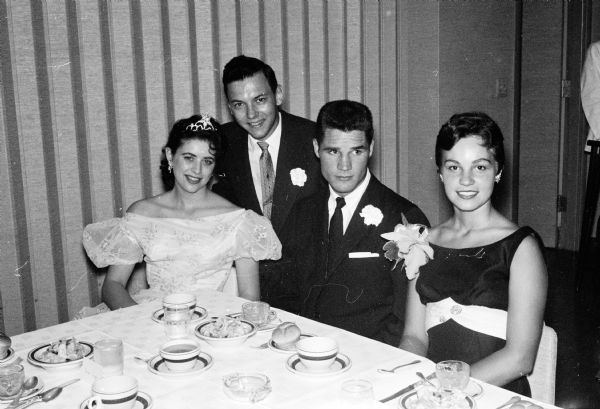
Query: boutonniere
[298, 176]
[372, 215]
[408, 242]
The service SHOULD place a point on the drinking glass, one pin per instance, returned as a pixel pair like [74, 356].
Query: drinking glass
[357, 393]
[108, 353]
[453, 375]
[176, 323]
[257, 312]
[11, 380]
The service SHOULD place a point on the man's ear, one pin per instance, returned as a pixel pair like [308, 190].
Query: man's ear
[371, 149]
[278, 95]
[316, 148]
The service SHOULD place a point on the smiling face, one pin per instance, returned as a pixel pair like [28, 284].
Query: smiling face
[344, 158]
[193, 165]
[253, 105]
[468, 171]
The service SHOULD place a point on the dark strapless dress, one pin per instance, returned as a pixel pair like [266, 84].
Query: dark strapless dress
[470, 276]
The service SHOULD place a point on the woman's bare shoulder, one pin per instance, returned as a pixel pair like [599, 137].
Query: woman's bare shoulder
[151, 207]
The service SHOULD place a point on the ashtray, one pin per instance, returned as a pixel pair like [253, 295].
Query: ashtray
[247, 387]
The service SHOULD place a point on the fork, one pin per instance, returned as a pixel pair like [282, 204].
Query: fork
[393, 370]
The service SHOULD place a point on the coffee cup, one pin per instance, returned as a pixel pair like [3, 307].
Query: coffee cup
[257, 312]
[181, 302]
[317, 353]
[180, 355]
[113, 392]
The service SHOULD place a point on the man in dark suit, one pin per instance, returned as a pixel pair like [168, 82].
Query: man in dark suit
[269, 163]
[335, 238]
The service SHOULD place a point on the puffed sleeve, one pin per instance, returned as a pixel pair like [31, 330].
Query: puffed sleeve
[256, 239]
[109, 242]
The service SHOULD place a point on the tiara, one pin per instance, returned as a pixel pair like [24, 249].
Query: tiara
[203, 124]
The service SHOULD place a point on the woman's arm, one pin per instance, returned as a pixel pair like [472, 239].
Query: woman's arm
[114, 291]
[526, 301]
[414, 339]
[247, 278]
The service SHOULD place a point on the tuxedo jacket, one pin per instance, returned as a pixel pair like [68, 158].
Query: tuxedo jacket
[236, 185]
[360, 294]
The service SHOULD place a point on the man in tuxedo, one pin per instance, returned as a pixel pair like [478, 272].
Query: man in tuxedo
[335, 237]
[269, 163]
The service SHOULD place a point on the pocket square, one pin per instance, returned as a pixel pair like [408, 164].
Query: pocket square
[362, 254]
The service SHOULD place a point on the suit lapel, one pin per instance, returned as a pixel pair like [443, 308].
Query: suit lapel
[285, 192]
[242, 175]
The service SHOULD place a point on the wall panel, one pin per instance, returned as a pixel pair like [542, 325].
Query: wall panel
[90, 89]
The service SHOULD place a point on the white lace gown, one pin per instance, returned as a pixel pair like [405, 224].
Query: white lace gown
[182, 255]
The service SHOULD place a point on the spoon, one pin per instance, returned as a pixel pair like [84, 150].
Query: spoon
[141, 359]
[393, 370]
[509, 402]
[420, 375]
[47, 396]
[30, 383]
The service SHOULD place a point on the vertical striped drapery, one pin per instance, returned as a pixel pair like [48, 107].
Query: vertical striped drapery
[91, 87]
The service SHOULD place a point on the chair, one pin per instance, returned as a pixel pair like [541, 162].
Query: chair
[542, 379]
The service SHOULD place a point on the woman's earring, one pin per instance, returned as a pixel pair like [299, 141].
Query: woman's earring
[170, 167]
[497, 178]
[441, 179]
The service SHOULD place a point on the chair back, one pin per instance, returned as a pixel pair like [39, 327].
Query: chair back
[542, 379]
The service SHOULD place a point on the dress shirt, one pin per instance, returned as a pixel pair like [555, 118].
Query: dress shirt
[254, 153]
[590, 91]
[352, 199]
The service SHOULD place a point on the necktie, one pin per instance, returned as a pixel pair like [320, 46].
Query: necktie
[267, 176]
[336, 230]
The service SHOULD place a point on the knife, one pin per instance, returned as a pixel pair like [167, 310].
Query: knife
[406, 390]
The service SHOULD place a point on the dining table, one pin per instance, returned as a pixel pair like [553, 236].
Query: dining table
[142, 337]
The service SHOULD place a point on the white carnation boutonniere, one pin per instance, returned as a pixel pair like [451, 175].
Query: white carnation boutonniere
[372, 215]
[298, 176]
[408, 242]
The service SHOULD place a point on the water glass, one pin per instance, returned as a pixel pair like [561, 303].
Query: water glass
[108, 354]
[11, 380]
[453, 375]
[257, 312]
[180, 303]
[176, 323]
[357, 393]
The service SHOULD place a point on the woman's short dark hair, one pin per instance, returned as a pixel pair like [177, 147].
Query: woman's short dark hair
[197, 127]
[467, 124]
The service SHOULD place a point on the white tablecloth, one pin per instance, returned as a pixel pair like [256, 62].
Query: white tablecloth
[142, 336]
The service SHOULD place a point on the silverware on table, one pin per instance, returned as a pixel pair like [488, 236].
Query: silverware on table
[509, 402]
[46, 396]
[29, 383]
[393, 370]
[406, 389]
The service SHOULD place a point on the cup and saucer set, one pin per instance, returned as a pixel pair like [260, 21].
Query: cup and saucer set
[316, 357]
[117, 392]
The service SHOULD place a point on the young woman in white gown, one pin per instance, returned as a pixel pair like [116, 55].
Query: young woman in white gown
[188, 236]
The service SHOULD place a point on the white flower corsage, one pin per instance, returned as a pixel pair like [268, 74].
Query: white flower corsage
[372, 215]
[408, 242]
[298, 176]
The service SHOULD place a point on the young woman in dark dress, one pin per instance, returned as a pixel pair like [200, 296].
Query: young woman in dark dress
[481, 299]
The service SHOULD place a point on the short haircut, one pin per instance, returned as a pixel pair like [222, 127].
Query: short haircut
[346, 116]
[467, 124]
[242, 67]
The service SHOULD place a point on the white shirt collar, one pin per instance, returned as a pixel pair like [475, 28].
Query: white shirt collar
[352, 199]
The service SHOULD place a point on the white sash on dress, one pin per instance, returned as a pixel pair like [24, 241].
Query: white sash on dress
[490, 321]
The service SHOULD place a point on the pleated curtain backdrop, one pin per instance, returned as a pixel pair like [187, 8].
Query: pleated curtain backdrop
[90, 89]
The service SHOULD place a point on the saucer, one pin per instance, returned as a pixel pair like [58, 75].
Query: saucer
[38, 388]
[10, 354]
[341, 364]
[409, 401]
[290, 349]
[142, 401]
[274, 321]
[473, 389]
[198, 315]
[158, 366]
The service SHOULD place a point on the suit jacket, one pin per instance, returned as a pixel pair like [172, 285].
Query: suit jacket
[362, 295]
[295, 151]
